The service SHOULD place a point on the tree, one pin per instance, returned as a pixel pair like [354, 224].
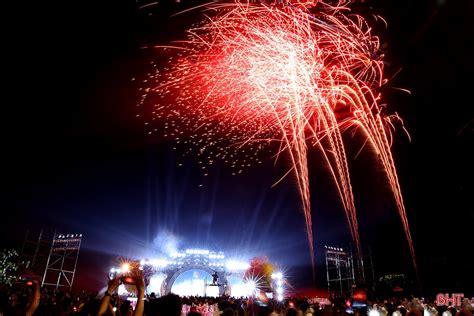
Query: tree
[9, 265]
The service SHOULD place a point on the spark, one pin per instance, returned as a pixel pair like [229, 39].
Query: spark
[254, 74]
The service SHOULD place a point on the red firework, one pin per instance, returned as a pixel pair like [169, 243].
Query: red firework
[253, 74]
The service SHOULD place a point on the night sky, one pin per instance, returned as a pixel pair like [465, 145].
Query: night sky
[78, 160]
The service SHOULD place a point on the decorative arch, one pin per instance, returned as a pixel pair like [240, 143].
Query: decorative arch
[172, 275]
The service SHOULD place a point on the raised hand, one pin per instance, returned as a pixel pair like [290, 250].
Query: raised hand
[113, 284]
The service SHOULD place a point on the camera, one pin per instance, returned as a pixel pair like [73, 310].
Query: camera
[127, 272]
[128, 277]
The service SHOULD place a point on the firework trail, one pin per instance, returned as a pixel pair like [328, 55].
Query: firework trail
[252, 74]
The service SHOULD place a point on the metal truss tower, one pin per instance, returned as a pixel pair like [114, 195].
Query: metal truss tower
[345, 271]
[340, 270]
[62, 260]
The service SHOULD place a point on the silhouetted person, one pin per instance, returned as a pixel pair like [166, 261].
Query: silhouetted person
[194, 312]
[215, 277]
[291, 312]
[170, 305]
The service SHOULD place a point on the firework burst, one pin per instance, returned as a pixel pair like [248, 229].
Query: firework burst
[252, 74]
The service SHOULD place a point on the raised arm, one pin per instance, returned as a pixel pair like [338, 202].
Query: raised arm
[35, 299]
[140, 284]
[104, 304]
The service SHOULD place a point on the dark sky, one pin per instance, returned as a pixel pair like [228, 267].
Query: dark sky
[77, 158]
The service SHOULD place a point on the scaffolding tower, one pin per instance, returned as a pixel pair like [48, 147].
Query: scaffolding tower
[345, 271]
[340, 270]
[62, 260]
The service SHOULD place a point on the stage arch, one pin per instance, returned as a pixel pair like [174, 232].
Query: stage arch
[161, 273]
[172, 275]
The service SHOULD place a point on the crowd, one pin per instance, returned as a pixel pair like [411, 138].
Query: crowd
[32, 300]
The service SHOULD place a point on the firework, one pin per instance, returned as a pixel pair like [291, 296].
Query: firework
[252, 74]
